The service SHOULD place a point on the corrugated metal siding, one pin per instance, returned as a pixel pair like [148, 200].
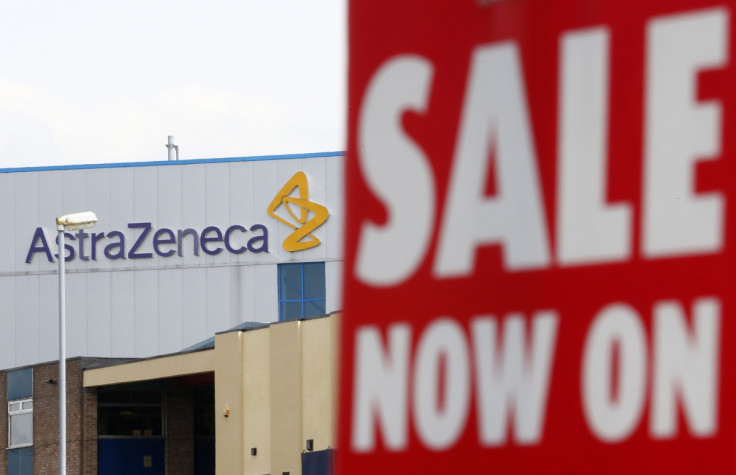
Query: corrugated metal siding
[144, 307]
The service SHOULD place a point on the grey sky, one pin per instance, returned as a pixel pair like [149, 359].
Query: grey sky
[88, 81]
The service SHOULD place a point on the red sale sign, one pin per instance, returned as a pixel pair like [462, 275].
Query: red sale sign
[540, 238]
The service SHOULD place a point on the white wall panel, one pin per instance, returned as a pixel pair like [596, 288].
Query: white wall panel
[266, 299]
[74, 191]
[50, 186]
[241, 207]
[26, 219]
[146, 313]
[50, 198]
[27, 320]
[242, 294]
[218, 299]
[99, 314]
[49, 317]
[265, 187]
[194, 306]
[122, 313]
[169, 209]
[122, 209]
[76, 314]
[8, 261]
[333, 285]
[146, 204]
[169, 311]
[217, 206]
[335, 184]
[8, 318]
[98, 201]
[194, 214]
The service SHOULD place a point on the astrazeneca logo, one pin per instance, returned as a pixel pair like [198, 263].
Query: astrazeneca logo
[143, 240]
[302, 222]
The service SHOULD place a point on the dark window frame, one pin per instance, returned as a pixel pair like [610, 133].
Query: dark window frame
[300, 288]
[132, 405]
[19, 393]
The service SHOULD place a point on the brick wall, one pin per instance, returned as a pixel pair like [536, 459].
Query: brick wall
[81, 416]
[82, 423]
[45, 419]
[90, 431]
[179, 429]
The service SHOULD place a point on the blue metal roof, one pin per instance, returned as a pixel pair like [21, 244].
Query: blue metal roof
[257, 158]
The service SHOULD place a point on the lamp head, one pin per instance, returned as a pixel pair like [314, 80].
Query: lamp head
[70, 222]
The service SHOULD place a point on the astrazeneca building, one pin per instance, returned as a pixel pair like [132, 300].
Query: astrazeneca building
[201, 316]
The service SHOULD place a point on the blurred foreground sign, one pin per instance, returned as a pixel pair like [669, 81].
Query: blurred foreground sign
[540, 238]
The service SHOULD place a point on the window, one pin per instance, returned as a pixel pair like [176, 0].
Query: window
[133, 413]
[301, 290]
[20, 422]
[20, 408]
[20, 384]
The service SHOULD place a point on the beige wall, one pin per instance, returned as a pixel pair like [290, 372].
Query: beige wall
[229, 397]
[278, 384]
[318, 382]
[155, 368]
[286, 396]
[256, 402]
[281, 393]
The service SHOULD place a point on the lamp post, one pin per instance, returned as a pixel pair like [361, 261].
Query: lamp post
[65, 223]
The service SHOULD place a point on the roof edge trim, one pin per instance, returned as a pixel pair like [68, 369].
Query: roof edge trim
[193, 161]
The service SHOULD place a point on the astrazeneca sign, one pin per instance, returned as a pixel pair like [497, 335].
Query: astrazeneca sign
[291, 206]
[163, 242]
[541, 238]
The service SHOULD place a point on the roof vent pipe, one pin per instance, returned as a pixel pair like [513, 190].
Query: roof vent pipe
[172, 148]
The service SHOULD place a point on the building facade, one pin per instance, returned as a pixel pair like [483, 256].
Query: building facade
[30, 427]
[273, 401]
[182, 251]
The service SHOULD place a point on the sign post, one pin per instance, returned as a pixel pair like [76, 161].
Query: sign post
[540, 238]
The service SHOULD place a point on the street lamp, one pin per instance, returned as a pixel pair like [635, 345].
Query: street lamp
[69, 222]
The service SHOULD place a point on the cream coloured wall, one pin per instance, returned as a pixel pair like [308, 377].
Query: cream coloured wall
[278, 384]
[256, 401]
[155, 368]
[288, 389]
[229, 396]
[286, 396]
[318, 390]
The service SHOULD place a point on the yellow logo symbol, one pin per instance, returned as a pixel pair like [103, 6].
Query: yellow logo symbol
[302, 237]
